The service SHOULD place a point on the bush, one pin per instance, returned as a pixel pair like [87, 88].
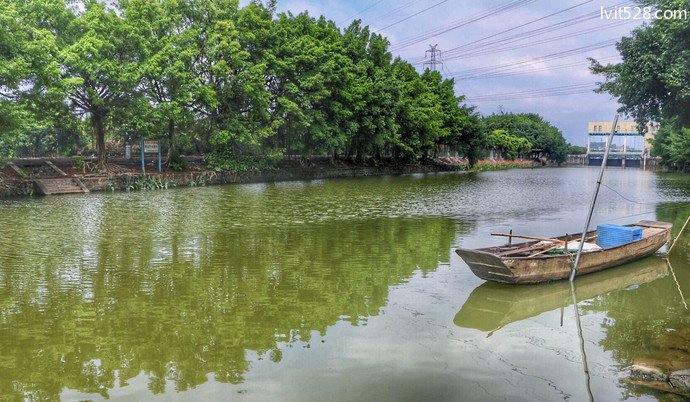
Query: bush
[147, 182]
[177, 162]
[78, 162]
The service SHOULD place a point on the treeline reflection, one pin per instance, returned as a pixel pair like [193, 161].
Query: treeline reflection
[178, 295]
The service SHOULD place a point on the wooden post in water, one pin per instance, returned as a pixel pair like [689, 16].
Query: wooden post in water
[573, 270]
[678, 236]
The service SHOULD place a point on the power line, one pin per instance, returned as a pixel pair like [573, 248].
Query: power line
[390, 13]
[537, 93]
[449, 76]
[486, 70]
[548, 68]
[346, 20]
[528, 96]
[570, 35]
[520, 26]
[459, 23]
[413, 15]
[561, 88]
[483, 43]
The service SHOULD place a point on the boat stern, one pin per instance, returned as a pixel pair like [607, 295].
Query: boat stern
[486, 265]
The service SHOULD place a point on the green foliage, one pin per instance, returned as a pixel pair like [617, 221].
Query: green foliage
[672, 144]
[78, 162]
[177, 162]
[486, 166]
[39, 140]
[147, 182]
[545, 139]
[236, 83]
[576, 150]
[474, 139]
[12, 120]
[653, 79]
[199, 181]
[510, 145]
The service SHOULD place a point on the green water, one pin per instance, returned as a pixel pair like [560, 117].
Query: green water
[328, 290]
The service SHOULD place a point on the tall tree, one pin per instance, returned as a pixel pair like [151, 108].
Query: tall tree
[91, 60]
[672, 144]
[97, 69]
[13, 64]
[372, 94]
[168, 43]
[653, 79]
[511, 146]
[456, 130]
[238, 108]
[236, 78]
[15, 71]
[309, 73]
[474, 139]
[420, 113]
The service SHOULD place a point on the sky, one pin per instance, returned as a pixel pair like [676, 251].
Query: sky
[505, 55]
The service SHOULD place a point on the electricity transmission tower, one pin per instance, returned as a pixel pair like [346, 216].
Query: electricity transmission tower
[435, 57]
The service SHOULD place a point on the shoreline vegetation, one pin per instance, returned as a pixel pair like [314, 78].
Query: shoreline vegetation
[130, 177]
[240, 85]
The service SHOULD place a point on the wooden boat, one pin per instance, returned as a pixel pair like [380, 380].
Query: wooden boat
[491, 306]
[529, 263]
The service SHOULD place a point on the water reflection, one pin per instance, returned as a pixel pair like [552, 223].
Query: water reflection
[652, 324]
[306, 290]
[492, 306]
[179, 292]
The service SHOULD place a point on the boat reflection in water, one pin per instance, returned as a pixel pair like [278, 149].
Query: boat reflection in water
[492, 306]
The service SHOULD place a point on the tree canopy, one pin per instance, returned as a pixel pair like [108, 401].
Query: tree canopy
[652, 81]
[219, 79]
[545, 140]
[510, 145]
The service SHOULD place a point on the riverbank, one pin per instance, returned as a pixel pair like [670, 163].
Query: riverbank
[120, 177]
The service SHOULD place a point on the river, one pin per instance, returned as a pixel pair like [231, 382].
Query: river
[344, 289]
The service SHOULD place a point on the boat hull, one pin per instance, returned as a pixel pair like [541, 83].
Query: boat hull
[492, 306]
[544, 268]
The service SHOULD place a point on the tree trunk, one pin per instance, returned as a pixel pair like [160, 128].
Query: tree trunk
[97, 121]
[360, 154]
[171, 141]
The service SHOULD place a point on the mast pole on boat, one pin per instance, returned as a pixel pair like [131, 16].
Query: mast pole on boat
[573, 269]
